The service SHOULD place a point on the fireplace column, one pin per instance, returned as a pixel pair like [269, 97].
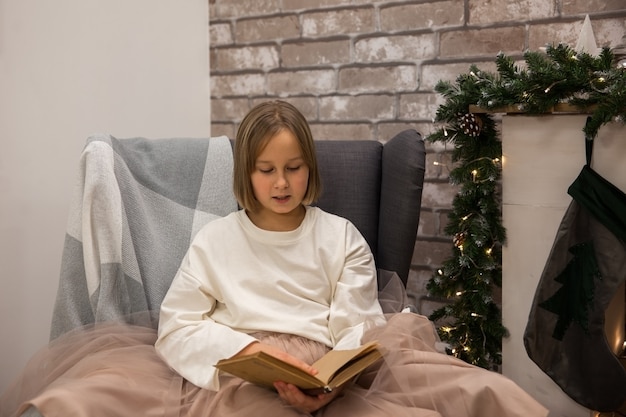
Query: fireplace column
[542, 155]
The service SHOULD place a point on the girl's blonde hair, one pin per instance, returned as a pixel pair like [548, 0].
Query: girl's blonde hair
[262, 123]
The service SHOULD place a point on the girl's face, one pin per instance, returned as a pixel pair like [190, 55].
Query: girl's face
[280, 179]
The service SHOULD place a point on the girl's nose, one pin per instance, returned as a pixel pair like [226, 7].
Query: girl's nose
[281, 181]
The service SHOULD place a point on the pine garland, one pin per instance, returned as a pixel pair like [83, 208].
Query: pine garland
[471, 321]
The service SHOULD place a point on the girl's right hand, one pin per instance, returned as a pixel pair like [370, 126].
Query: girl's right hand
[290, 394]
[277, 353]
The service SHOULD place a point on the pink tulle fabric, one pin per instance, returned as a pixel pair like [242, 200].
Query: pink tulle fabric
[113, 370]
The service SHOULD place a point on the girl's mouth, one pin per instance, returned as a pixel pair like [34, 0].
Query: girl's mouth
[281, 199]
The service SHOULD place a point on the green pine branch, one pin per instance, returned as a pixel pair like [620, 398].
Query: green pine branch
[471, 321]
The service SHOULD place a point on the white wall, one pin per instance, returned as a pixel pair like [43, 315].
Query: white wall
[69, 68]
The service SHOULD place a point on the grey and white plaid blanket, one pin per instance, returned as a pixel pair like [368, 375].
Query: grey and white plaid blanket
[137, 205]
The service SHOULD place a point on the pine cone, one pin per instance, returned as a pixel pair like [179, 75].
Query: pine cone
[459, 239]
[470, 124]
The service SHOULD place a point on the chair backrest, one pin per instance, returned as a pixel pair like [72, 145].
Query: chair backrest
[139, 202]
[379, 188]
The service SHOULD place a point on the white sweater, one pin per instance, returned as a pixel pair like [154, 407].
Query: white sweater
[318, 281]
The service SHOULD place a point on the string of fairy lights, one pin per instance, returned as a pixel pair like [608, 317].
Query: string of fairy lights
[470, 320]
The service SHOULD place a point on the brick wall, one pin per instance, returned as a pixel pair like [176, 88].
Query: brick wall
[366, 70]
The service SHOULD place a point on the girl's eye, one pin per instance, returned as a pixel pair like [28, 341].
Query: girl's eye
[293, 168]
[265, 171]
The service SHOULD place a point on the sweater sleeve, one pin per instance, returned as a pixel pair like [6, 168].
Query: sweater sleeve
[188, 340]
[355, 299]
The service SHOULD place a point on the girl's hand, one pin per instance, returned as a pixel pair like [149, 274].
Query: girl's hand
[305, 403]
[289, 393]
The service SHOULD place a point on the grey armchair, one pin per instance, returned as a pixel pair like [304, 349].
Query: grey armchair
[153, 195]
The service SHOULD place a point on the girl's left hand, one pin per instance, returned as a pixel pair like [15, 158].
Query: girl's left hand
[306, 403]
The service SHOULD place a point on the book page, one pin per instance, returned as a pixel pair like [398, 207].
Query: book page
[330, 363]
[353, 368]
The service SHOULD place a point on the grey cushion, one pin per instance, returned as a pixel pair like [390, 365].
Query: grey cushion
[379, 188]
[351, 172]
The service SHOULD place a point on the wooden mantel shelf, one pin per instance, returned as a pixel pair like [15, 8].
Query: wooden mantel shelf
[562, 108]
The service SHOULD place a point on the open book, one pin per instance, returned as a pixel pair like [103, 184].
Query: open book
[334, 369]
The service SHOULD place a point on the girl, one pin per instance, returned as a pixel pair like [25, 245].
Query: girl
[294, 281]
